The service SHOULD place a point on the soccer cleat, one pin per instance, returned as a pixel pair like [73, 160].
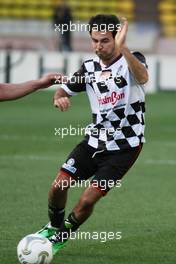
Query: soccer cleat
[48, 231]
[56, 245]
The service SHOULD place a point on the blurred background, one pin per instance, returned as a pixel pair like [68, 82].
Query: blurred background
[30, 39]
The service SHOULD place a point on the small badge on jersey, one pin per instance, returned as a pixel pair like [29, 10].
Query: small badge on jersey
[119, 70]
[69, 165]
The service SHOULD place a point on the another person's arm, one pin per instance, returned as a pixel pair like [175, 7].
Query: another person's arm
[10, 91]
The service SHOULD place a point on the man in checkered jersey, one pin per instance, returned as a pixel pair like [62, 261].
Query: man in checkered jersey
[114, 82]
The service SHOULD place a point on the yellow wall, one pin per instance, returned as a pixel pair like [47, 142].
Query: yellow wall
[167, 11]
[82, 10]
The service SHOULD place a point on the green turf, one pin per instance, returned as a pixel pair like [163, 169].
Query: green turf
[143, 209]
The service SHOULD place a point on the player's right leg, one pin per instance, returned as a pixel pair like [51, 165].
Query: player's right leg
[56, 204]
[78, 167]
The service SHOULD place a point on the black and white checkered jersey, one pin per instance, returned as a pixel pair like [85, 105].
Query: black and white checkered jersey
[117, 102]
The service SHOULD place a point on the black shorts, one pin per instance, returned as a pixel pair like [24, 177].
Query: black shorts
[106, 167]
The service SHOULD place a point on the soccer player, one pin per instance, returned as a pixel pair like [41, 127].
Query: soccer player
[14, 91]
[114, 81]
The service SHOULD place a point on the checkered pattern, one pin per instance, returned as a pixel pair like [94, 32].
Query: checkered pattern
[117, 103]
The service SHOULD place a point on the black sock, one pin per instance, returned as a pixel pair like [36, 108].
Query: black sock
[56, 216]
[68, 226]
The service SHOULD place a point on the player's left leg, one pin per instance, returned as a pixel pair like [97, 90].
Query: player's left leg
[85, 206]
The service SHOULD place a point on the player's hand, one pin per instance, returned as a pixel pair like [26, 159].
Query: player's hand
[62, 103]
[50, 79]
[120, 37]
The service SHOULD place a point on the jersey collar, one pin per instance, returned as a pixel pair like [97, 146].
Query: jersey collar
[114, 61]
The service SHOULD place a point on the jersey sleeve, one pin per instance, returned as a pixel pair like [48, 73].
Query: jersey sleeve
[141, 58]
[77, 83]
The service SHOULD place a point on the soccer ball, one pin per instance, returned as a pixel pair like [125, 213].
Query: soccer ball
[34, 249]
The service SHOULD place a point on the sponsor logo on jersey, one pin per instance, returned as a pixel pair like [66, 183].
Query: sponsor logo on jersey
[113, 98]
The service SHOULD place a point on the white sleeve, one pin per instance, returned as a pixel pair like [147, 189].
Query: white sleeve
[67, 90]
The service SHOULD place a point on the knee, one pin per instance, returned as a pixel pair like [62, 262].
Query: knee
[61, 182]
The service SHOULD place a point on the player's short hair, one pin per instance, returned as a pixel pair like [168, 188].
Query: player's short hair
[104, 23]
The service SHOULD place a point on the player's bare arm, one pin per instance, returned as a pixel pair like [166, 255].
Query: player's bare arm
[61, 100]
[136, 67]
[15, 91]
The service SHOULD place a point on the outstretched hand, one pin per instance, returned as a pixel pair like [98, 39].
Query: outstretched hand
[51, 79]
[120, 37]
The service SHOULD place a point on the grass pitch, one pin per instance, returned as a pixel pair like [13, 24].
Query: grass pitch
[143, 209]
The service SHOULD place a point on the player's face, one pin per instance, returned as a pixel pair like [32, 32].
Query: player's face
[103, 44]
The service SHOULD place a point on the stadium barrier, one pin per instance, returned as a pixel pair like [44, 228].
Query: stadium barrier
[18, 66]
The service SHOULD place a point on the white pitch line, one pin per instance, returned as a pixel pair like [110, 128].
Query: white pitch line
[32, 138]
[166, 143]
[161, 162]
[56, 158]
[29, 157]
[53, 137]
